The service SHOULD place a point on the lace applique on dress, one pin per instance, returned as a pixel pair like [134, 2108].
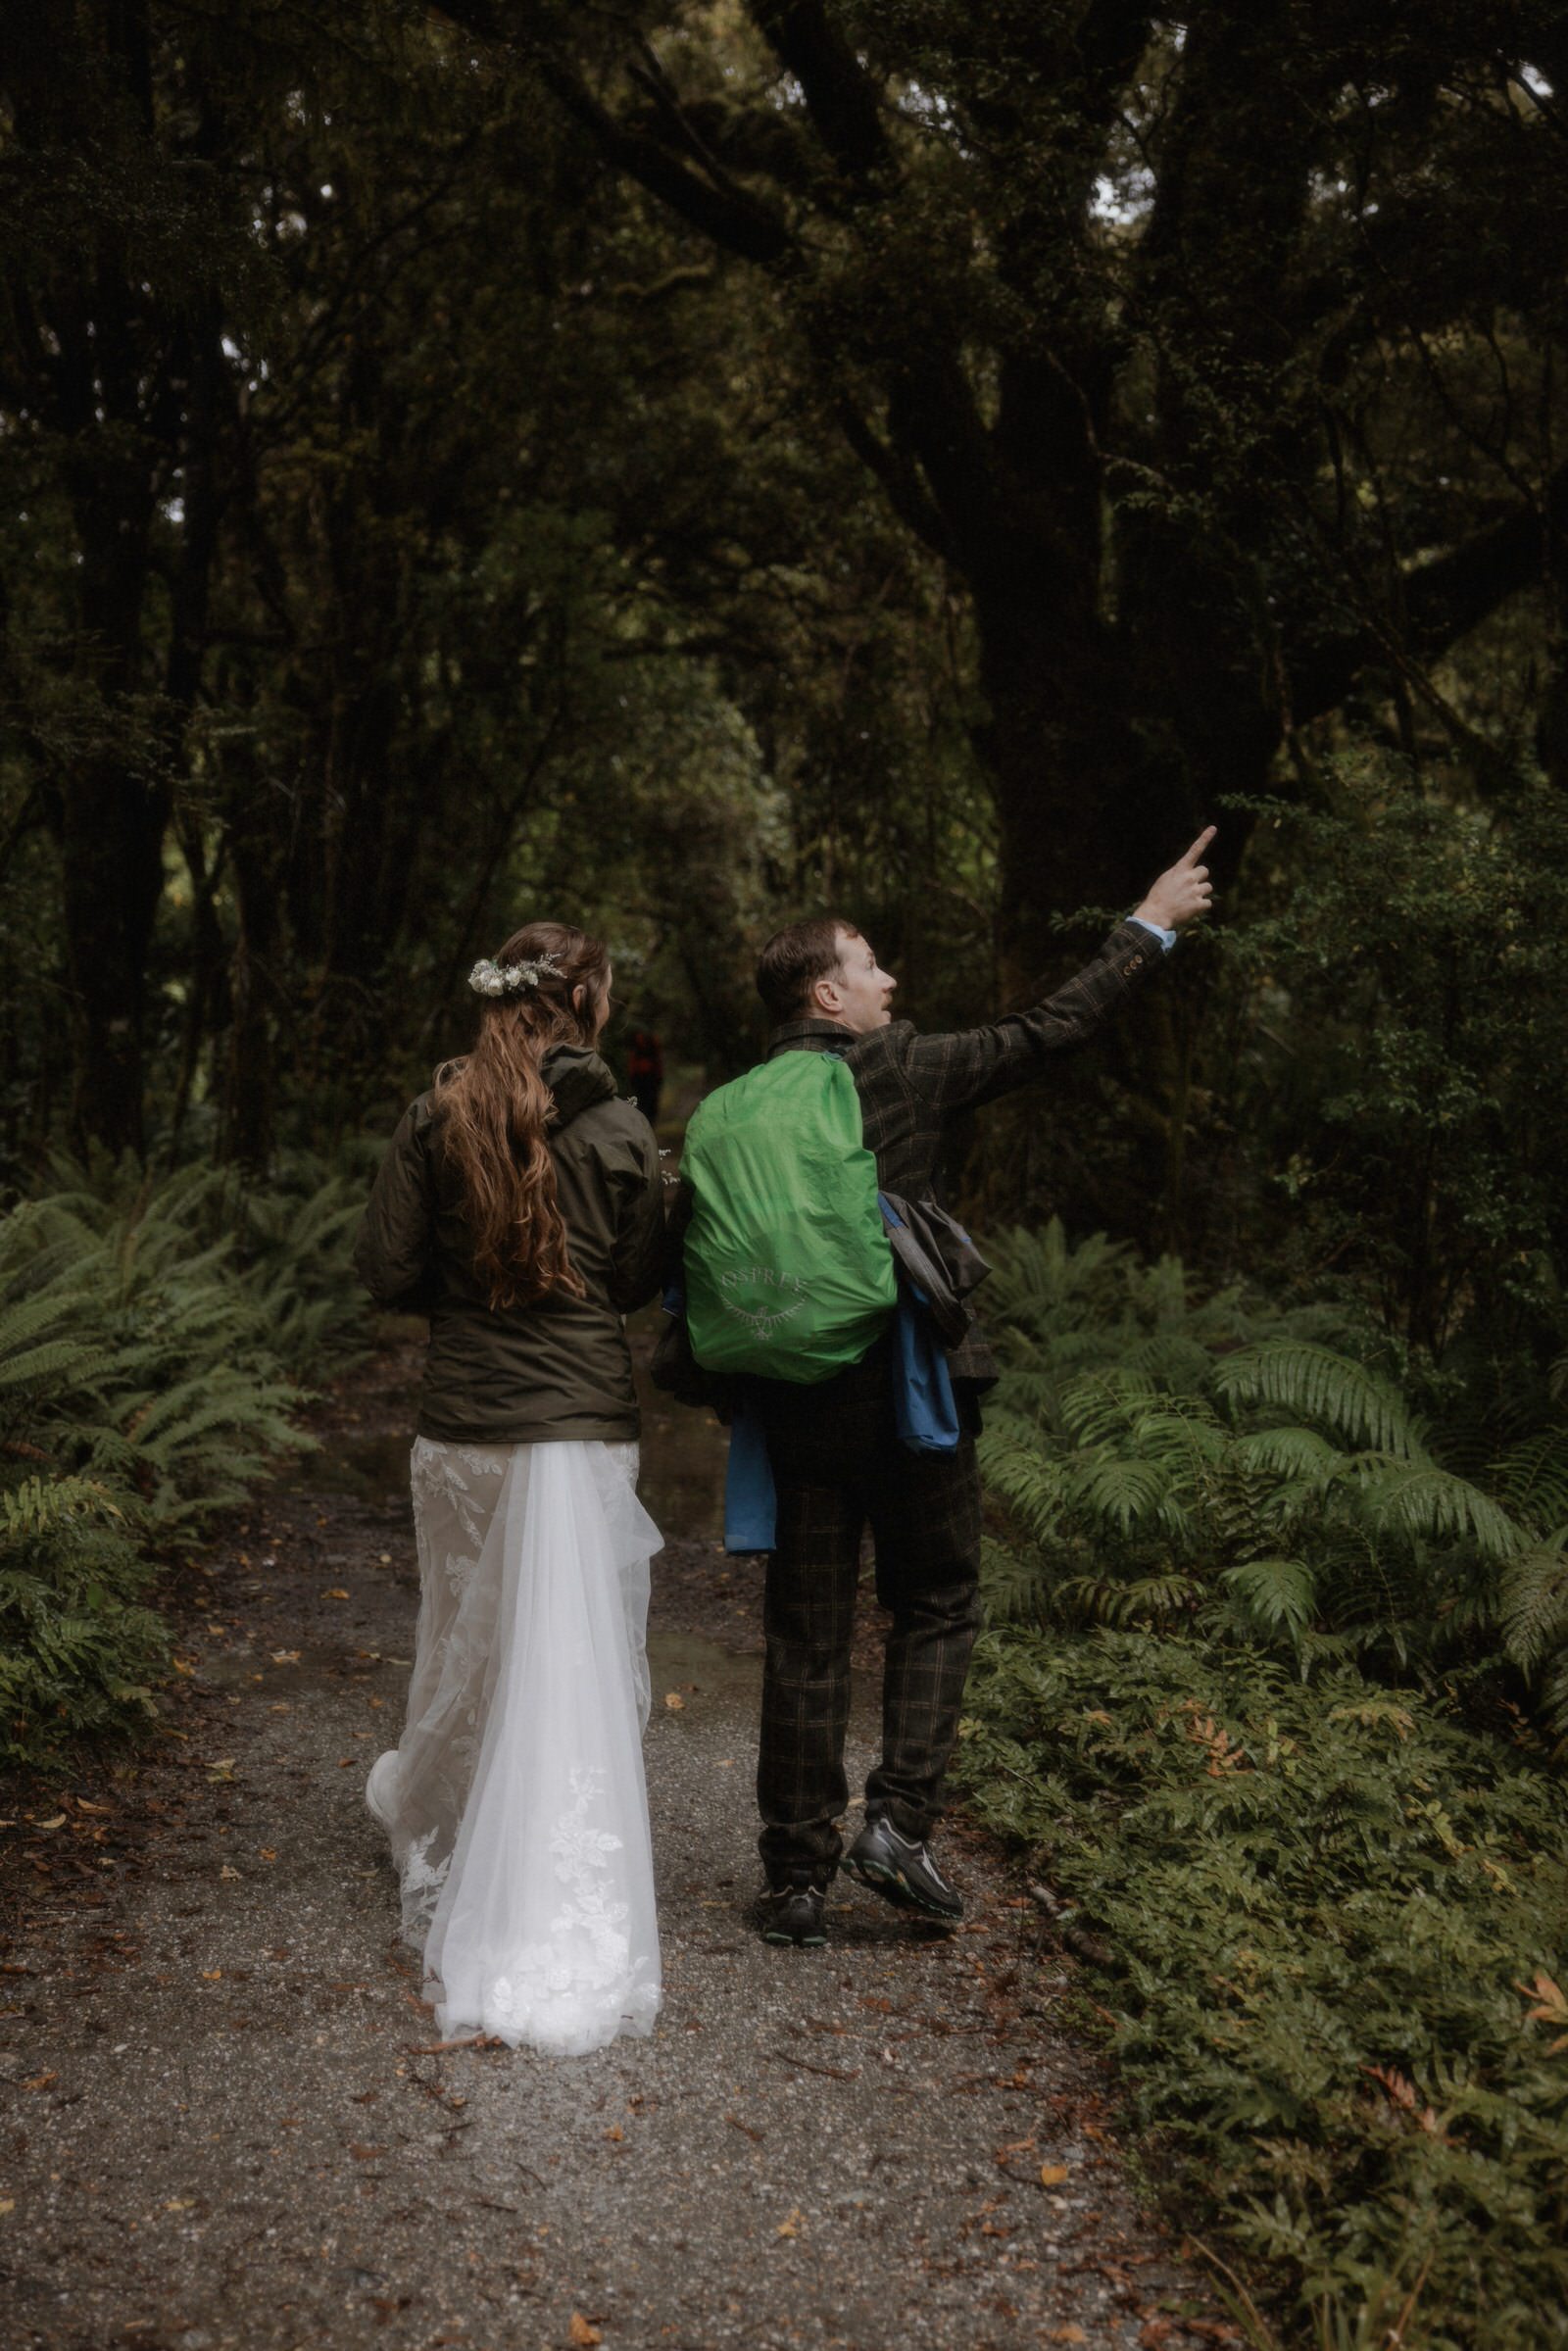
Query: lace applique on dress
[561, 1974]
[458, 1475]
[422, 1881]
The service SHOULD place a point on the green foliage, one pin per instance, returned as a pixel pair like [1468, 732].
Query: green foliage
[150, 1343]
[1165, 1458]
[1401, 1076]
[1245, 1695]
[78, 1651]
[1329, 1910]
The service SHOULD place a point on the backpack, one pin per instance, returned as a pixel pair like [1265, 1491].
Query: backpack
[789, 1275]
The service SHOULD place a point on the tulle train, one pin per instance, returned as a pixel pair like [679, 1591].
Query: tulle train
[514, 1801]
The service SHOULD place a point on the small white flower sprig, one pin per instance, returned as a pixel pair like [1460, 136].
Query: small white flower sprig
[513, 979]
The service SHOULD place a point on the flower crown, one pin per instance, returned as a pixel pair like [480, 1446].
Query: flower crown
[513, 979]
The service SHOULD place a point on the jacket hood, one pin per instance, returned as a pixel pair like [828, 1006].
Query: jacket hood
[577, 1078]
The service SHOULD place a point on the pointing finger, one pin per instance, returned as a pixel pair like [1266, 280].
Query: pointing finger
[1200, 845]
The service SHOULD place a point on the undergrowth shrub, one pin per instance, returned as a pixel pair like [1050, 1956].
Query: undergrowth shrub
[1334, 1923]
[1258, 1475]
[152, 1338]
[1273, 1689]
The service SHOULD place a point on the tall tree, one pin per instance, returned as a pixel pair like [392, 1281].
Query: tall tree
[1113, 304]
[113, 381]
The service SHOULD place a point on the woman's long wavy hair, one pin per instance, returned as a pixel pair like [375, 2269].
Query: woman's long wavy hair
[494, 1112]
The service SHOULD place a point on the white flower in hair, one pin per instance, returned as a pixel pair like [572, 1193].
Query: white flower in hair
[513, 979]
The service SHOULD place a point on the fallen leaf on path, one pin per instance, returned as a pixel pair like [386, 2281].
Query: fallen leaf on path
[211, 1975]
[58, 1822]
[337, 1592]
[1051, 2174]
[227, 1872]
[8, 2204]
[363, 2154]
[616, 2133]
[285, 1656]
[674, 1701]
[791, 2227]
[39, 2081]
[1069, 2334]
[581, 2332]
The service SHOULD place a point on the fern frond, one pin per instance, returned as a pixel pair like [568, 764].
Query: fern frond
[39, 1507]
[1423, 1502]
[1533, 1606]
[1118, 1491]
[1098, 1407]
[1148, 1600]
[1290, 1453]
[1320, 1385]
[1531, 1479]
[1276, 1595]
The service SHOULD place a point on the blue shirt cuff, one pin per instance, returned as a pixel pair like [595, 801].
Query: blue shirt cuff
[1167, 939]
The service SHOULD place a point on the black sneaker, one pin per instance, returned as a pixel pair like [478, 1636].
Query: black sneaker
[901, 1870]
[793, 1913]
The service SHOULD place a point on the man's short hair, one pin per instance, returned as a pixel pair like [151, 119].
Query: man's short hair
[795, 958]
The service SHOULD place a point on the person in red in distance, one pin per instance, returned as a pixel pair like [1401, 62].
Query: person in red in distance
[645, 1071]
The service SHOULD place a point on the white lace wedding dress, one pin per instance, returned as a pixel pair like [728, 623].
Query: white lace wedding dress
[514, 1801]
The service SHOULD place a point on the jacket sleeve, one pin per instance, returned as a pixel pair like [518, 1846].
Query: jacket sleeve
[976, 1065]
[637, 1258]
[394, 1254]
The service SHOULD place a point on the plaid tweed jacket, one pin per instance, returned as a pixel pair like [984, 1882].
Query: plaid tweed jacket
[911, 1086]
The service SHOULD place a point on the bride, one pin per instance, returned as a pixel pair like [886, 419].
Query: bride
[519, 1205]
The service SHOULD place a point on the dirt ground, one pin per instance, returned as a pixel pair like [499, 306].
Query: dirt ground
[228, 2123]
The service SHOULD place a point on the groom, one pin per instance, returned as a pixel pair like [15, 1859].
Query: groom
[838, 1465]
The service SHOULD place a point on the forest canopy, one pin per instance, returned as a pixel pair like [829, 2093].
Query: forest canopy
[681, 467]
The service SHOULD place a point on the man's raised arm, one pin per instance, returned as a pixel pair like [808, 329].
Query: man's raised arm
[974, 1065]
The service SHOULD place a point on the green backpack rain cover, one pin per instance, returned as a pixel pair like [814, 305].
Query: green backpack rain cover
[789, 1273]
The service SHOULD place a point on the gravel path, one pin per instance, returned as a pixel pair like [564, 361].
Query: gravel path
[227, 2125]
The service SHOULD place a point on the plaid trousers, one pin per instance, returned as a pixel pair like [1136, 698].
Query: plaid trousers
[838, 1466]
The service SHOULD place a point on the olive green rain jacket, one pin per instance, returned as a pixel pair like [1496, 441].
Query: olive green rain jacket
[559, 1368]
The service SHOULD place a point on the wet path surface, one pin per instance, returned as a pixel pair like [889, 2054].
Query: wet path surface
[227, 2123]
